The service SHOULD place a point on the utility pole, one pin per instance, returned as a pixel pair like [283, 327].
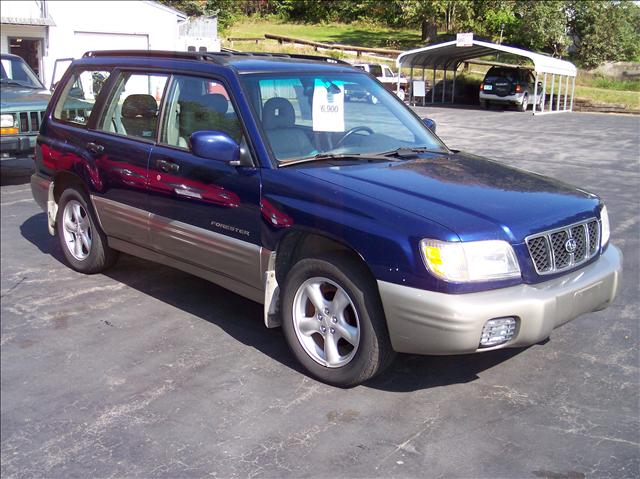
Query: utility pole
[500, 42]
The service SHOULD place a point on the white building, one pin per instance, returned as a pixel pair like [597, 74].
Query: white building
[45, 31]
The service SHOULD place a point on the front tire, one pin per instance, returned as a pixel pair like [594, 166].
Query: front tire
[333, 320]
[83, 242]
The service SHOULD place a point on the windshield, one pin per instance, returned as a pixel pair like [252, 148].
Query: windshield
[16, 71]
[306, 114]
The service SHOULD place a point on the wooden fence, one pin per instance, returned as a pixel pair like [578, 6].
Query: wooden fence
[334, 46]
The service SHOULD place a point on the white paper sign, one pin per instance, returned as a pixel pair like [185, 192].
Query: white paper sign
[418, 88]
[328, 106]
[464, 40]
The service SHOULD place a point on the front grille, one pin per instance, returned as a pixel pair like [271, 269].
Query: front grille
[563, 248]
[30, 121]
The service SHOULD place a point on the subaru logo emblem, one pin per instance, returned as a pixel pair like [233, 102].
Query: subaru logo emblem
[570, 245]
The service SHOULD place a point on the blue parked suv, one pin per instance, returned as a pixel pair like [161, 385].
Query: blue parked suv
[357, 228]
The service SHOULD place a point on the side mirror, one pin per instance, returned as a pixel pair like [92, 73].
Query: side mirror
[215, 145]
[429, 123]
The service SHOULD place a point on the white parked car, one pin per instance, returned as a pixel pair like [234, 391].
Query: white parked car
[385, 76]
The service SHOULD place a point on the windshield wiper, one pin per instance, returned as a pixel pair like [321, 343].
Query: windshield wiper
[404, 152]
[337, 156]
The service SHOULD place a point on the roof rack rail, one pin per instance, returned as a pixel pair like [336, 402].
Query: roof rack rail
[156, 54]
[211, 56]
[300, 56]
[303, 56]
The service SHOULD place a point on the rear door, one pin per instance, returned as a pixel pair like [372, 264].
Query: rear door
[120, 145]
[204, 212]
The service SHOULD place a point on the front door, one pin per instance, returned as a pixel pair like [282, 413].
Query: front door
[204, 212]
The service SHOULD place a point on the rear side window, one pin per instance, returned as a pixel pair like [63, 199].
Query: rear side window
[79, 95]
[134, 105]
[198, 104]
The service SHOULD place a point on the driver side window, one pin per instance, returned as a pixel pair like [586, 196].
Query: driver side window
[198, 104]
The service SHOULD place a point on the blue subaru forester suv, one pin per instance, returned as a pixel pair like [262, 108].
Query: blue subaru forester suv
[357, 228]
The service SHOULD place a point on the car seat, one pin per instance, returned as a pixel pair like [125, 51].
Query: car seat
[140, 115]
[286, 140]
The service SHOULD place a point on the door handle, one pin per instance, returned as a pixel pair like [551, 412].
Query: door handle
[167, 166]
[95, 148]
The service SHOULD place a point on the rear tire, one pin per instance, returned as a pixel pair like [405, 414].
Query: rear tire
[333, 320]
[83, 242]
[525, 103]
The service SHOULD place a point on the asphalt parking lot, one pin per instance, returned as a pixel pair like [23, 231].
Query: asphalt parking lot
[146, 371]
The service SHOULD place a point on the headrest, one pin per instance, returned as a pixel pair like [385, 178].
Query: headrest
[278, 113]
[139, 105]
[215, 102]
[191, 89]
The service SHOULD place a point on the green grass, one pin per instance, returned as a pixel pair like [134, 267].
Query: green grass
[613, 84]
[350, 34]
[600, 81]
[630, 99]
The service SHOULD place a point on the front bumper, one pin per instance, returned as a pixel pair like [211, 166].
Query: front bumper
[426, 322]
[515, 98]
[17, 146]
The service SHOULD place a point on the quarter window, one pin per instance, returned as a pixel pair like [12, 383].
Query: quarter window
[134, 106]
[79, 95]
[198, 104]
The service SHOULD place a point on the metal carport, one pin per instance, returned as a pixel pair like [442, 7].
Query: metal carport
[448, 56]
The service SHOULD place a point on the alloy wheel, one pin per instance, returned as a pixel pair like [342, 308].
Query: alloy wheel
[76, 228]
[326, 322]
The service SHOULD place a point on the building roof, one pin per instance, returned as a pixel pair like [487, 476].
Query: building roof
[448, 55]
[167, 8]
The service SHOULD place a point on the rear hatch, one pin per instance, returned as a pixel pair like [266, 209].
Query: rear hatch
[501, 85]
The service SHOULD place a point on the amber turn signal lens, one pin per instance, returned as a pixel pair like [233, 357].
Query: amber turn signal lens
[9, 131]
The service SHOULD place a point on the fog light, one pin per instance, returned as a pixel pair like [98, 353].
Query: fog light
[497, 331]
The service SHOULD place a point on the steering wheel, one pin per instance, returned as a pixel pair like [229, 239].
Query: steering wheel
[351, 132]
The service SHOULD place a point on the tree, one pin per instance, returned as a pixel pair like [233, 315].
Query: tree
[226, 10]
[542, 26]
[605, 31]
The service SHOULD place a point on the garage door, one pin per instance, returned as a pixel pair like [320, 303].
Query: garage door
[86, 41]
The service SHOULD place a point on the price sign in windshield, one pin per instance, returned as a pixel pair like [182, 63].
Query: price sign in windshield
[328, 106]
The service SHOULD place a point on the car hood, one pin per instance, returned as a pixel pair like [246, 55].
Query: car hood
[475, 197]
[16, 97]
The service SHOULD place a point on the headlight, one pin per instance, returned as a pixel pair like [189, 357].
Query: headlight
[6, 121]
[7, 126]
[606, 229]
[472, 261]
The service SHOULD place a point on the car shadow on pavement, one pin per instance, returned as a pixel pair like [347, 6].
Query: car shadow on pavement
[410, 372]
[242, 319]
